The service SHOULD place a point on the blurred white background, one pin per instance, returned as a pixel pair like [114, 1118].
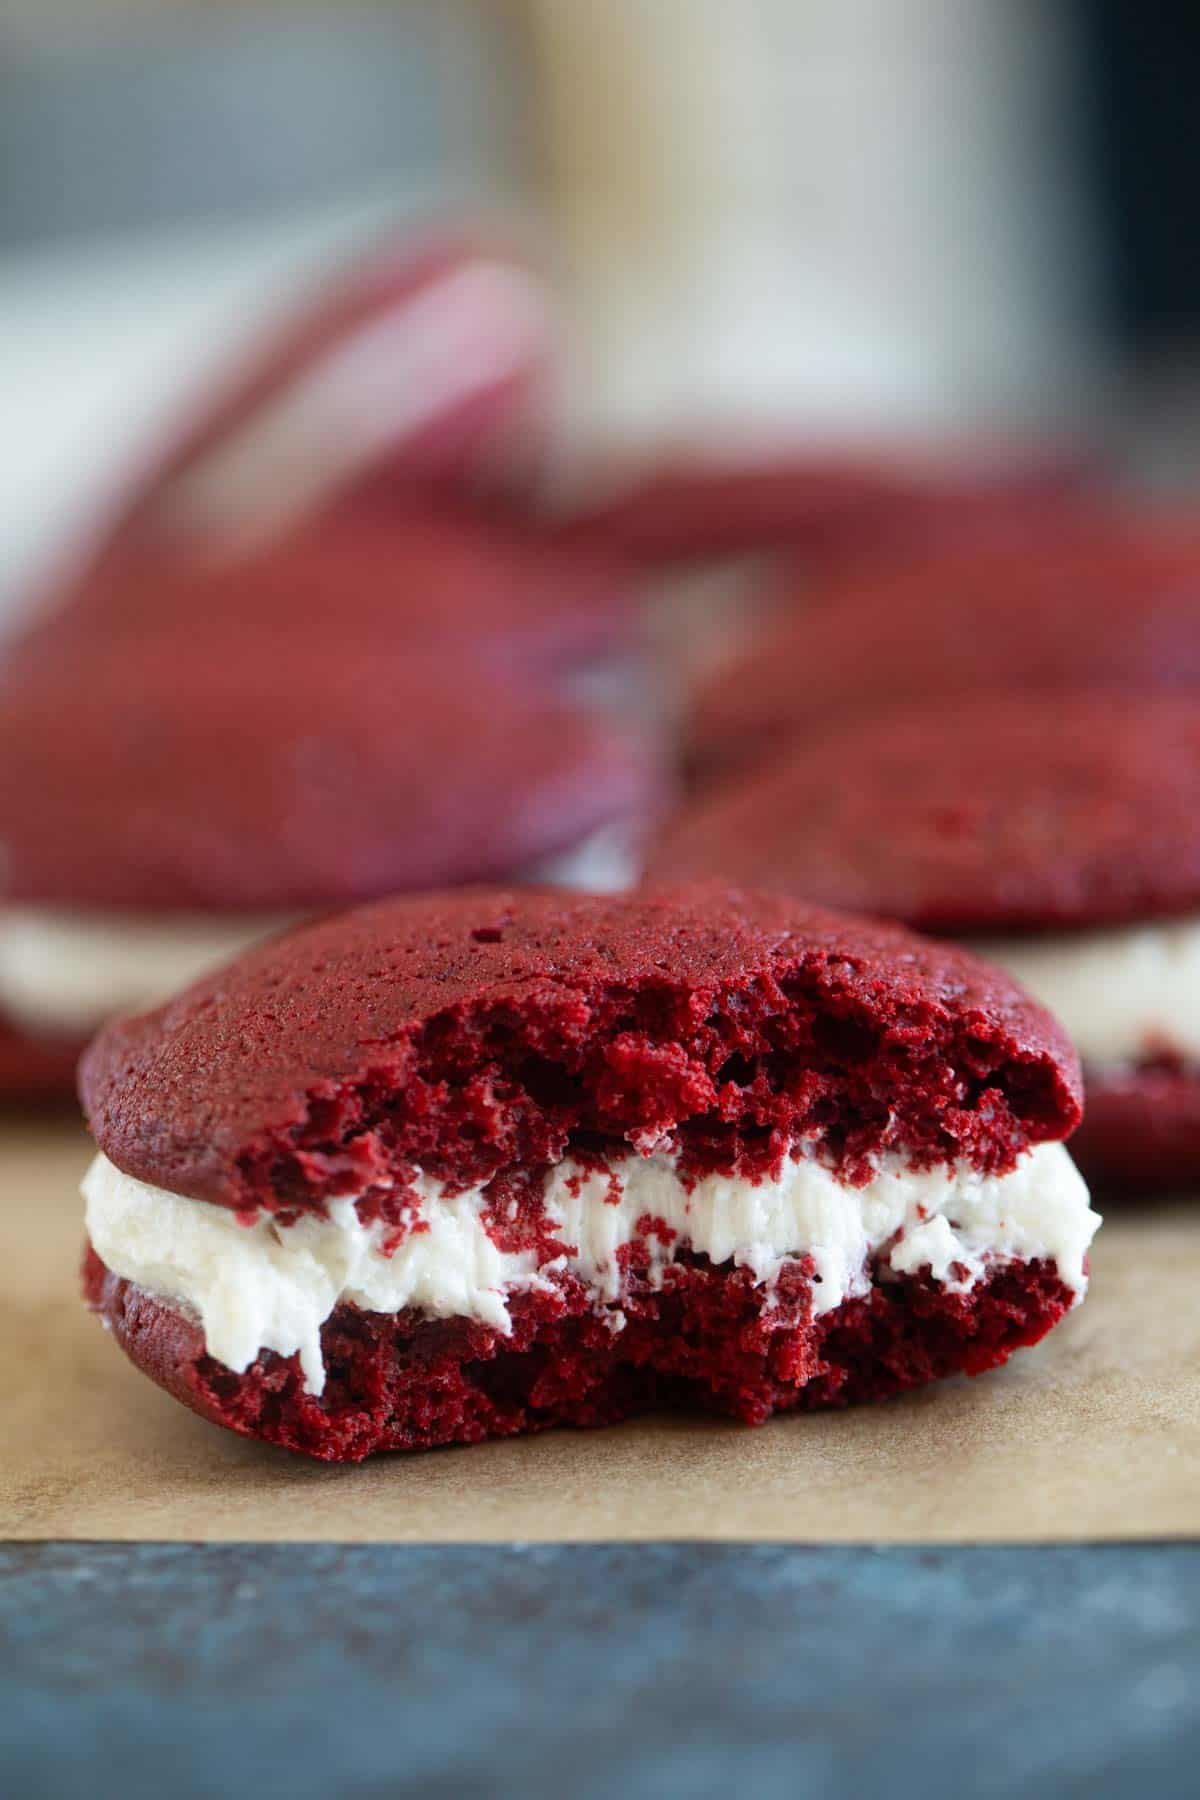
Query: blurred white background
[865, 218]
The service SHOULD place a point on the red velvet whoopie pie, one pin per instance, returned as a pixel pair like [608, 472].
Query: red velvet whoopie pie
[465, 1165]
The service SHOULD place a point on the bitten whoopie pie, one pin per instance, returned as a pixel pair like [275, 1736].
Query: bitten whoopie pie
[461, 1166]
[1058, 833]
[159, 811]
[1081, 598]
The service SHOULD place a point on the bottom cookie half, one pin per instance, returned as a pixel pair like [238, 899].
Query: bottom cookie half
[704, 1340]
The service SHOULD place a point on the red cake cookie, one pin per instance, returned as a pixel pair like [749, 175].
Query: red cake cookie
[37, 1068]
[1059, 832]
[415, 378]
[826, 507]
[466, 1165]
[422, 367]
[1084, 599]
[159, 811]
[404, 582]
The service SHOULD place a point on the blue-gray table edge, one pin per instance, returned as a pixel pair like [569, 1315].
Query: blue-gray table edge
[599, 1669]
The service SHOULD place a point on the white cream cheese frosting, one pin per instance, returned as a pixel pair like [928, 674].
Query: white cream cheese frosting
[1123, 994]
[69, 971]
[264, 1286]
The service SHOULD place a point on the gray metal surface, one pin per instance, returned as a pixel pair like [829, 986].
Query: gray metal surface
[632, 1670]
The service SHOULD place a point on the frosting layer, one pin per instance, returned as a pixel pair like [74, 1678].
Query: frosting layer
[267, 1286]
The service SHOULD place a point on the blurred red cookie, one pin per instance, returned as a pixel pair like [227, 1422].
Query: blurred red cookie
[826, 507]
[1090, 598]
[1058, 832]
[413, 582]
[164, 804]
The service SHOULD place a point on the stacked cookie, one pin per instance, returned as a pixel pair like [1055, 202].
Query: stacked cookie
[473, 1164]
[480, 1155]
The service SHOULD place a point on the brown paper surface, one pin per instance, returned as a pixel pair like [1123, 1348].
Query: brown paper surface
[1094, 1434]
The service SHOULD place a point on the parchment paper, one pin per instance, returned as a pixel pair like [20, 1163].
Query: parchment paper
[1094, 1434]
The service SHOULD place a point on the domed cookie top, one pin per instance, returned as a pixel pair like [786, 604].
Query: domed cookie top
[473, 1033]
[975, 814]
[403, 582]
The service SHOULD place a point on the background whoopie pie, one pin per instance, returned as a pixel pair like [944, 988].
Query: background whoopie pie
[1059, 833]
[320, 653]
[164, 804]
